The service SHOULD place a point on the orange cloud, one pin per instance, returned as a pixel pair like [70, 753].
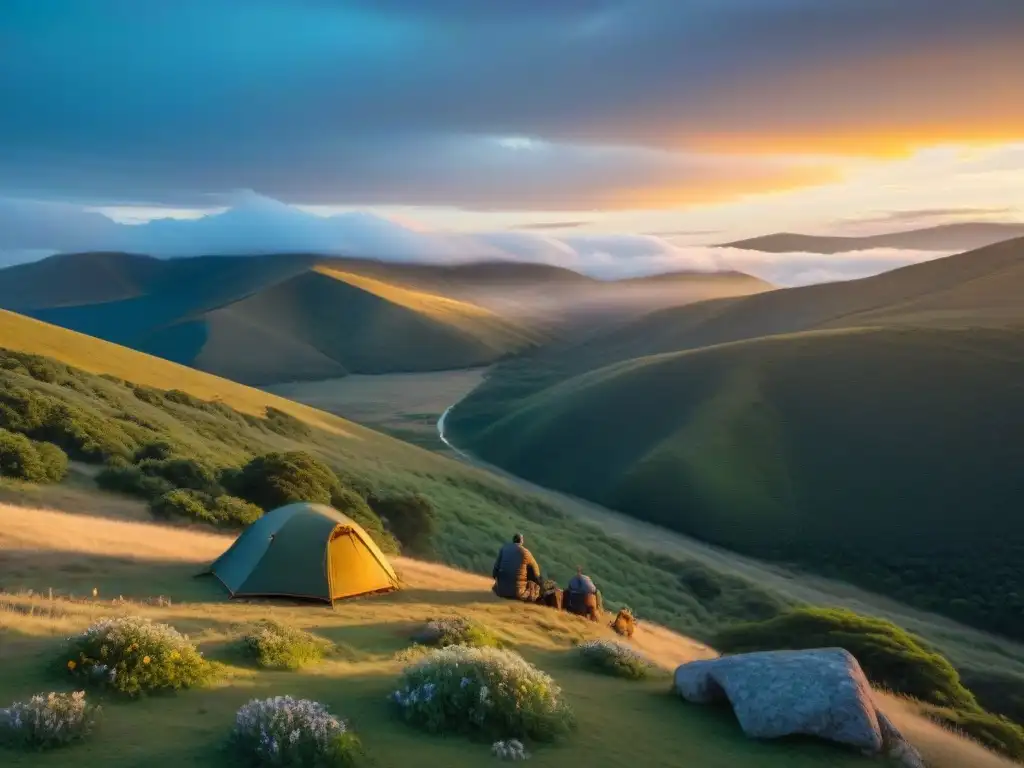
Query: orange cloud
[714, 190]
[886, 106]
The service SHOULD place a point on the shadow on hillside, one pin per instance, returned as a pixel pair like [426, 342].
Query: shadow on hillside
[443, 597]
[77, 495]
[71, 574]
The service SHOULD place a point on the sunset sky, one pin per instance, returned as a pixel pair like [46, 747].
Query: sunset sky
[694, 120]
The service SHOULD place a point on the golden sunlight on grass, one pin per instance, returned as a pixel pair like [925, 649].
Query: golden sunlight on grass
[438, 307]
[24, 334]
[35, 530]
[42, 548]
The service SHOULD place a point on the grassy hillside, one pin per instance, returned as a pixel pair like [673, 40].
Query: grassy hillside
[289, 317]
[620, 721]
[475, 511]
[887, 457]
[262, 320]
[70, 279]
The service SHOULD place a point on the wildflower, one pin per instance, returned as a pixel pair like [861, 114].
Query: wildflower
[145, 659]
[503, 692]
[72, 665]
[48, 721]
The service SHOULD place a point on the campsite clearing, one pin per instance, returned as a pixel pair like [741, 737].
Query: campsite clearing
[620, 721]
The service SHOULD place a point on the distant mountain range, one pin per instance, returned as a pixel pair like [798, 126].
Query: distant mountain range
[257, 225]
[947, 237]
[287, 317]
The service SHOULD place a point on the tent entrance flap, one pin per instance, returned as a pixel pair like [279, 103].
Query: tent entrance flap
[352, 567]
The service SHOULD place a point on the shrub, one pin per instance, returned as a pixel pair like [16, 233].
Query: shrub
[483, 691]
[33, 462]
[889, 655]
[234, 512]
[352, 504]
[285, 424]
[456, 630]
[183, 502]
[184, 398]
[149, 395]
[37, 367]
[410, 517]
[997, 733]
[133, 655]
[293, 732]
[84, 434]
[226, 511]
[183, 473]
[54, 462]
[48, 720]
[125, 478]
[23, 411]
[158, 449]
[613, 658]
[276, 646]
[512, 749]
[275, 479]
[999, 692]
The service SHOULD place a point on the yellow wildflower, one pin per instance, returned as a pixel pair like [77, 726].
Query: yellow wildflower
[145, 659]
[72, 665]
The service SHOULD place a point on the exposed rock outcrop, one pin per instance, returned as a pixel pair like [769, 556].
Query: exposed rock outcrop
[821, 692]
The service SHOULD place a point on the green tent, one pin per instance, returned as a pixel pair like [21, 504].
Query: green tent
[304, 550]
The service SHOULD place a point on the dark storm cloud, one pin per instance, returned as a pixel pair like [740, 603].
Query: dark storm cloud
[389, 101]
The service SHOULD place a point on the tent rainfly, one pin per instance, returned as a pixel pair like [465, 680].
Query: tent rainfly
[307, 551]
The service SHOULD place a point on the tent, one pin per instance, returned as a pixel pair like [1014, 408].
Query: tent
[304, 550]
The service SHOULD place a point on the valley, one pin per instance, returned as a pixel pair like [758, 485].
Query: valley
[646, 445]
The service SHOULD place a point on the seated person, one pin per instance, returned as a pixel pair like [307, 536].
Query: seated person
[516, 573]
[582, 596]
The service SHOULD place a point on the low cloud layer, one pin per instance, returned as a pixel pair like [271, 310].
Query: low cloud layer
[255, 224]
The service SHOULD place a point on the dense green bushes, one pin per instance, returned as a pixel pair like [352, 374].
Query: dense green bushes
[128, 479]
[81, 433]
[227, 511]
[996, 733]
[410, 517]
[24, 459]
[276, 479]
[143, 458]
[183, 473]
[890, 656]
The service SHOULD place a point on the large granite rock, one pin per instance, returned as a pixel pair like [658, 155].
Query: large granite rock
[820, 692]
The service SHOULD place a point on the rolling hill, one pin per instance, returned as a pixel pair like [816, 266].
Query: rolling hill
[288, 317]
[946, 237]
[870, 430]
[269, 319]
[475, 510]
